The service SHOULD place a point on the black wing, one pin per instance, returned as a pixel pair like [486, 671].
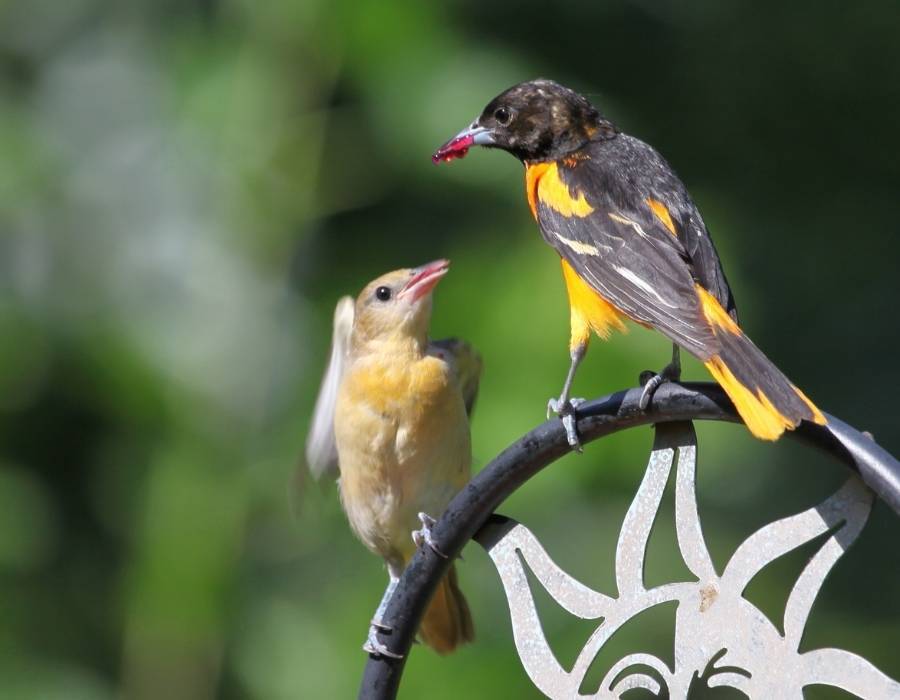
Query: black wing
[637, 258]
[625, 259]
[625, 174]
[702, 255]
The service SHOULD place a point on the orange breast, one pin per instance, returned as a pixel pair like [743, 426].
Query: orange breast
[588, 310]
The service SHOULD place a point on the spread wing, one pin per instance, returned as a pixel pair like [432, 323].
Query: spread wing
[632, 255]
[321, 448]
[466, 363]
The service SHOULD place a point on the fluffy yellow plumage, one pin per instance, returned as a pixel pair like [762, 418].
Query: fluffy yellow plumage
[403, 445]
[401, 431]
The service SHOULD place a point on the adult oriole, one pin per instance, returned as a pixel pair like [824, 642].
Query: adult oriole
[633, 245]
[392, 416]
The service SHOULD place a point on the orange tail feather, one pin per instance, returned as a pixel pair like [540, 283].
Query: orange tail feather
[447, 622]
[762, 395]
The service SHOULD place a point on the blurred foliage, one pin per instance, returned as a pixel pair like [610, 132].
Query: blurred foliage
[186, 189]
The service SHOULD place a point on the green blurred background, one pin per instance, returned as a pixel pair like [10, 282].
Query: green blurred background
[187, 187]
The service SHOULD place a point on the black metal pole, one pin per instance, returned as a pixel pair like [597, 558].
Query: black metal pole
[472, 506]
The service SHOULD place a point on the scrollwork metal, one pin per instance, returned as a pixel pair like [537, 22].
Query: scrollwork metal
[720, 636]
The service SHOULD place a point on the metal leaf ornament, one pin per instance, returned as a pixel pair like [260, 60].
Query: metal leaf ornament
[721, 638]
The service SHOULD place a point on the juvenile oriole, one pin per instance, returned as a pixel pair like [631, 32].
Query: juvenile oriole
[633, 245]
[393, 417]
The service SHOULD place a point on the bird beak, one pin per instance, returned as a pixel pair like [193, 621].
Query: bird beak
[459, 145]
[424, 279]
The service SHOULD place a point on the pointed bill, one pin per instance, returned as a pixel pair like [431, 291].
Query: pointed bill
[425, 279]
[459, 145]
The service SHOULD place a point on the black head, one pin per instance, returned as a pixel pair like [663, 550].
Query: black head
[535, 121]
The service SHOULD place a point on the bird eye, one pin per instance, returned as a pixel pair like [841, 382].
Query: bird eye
[502, 115]
[383, 293]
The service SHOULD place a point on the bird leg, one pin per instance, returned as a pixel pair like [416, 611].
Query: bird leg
[372, 645]
[564, 406]
[423, 535]
[651, 382]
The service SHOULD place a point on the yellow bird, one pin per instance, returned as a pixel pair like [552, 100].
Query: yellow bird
[393, 416]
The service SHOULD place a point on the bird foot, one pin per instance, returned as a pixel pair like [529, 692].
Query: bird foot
[651, 381]
[423, 535]
[375, 647]
[380, 626]
[566, 410]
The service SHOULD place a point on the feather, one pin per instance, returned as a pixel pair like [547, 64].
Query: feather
[466, 363]
[321, 449]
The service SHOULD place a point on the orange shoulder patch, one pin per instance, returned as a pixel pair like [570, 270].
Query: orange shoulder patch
[543, 183]
[533, 175]
[662, 213]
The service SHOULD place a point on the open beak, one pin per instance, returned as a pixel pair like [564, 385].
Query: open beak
[459, 145]
[424, 279]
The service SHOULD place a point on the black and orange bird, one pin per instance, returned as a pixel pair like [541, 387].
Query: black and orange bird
[633, 246]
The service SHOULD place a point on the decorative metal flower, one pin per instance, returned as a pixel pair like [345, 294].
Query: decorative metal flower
[720, 637]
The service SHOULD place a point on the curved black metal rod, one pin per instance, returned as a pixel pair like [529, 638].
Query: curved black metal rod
[472, 506]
